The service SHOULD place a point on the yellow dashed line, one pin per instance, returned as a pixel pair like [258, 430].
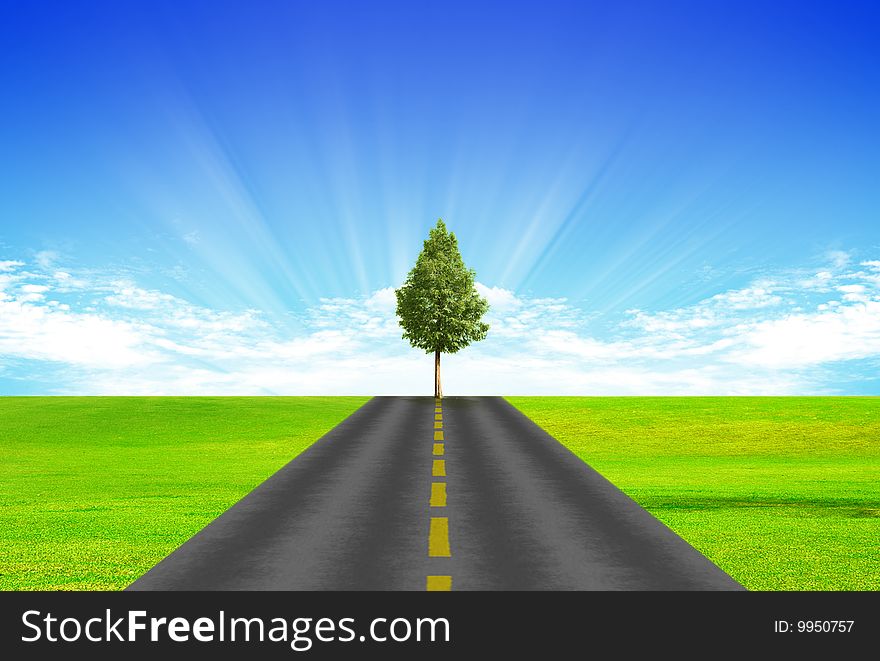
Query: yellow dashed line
[438, 534]
[438, 538]
[439, 583]
[438, 494]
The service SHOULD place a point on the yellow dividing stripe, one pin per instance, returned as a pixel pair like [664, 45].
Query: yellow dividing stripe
[439, 583]
[438, 538]
[438, 494]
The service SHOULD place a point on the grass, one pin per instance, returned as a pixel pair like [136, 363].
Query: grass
[95, 491]
[782, 493]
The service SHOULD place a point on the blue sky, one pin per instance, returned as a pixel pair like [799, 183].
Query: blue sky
[657, 197]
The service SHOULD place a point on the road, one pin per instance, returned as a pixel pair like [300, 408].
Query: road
[403, 495]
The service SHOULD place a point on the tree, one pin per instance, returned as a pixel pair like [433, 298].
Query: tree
[440, 310]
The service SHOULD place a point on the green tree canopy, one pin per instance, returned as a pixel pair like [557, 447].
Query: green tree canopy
[439, 308]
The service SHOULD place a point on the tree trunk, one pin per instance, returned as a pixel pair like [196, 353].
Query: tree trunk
[438, 391]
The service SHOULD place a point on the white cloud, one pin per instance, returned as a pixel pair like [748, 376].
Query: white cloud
[108, 335]
[838, 258]
[759, 296]
[833, 334]
[8, 265]
[48, 333]
[500, 300]
[127, 295]
[34, 289]
[369, 318]
[854, 293]
[46, 258]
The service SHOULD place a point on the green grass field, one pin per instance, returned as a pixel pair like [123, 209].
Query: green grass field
[782, 493]
[95, 491]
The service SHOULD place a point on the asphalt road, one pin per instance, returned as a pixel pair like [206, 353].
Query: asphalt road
[363, 509]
